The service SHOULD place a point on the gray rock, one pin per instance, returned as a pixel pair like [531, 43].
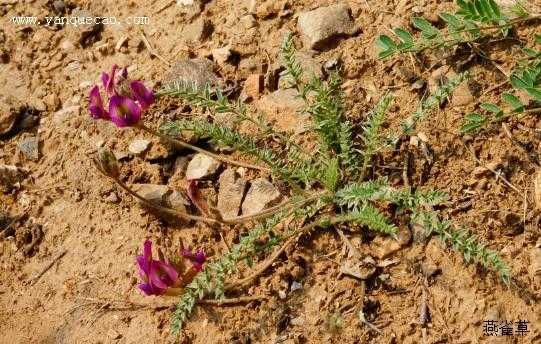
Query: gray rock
[138, 146]
[357, 269]
[59, 6]
[197, 72]
[197, 31]
[201, 166]
[295, 286]
[10, 176]
[230, 194]
[281, 107]
[324, 24]
[261, 195]
[152, 192]
[177, 201]
[29, 146]
[112, 198]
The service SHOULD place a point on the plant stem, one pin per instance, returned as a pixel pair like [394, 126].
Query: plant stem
[155, 206]
[182, 144]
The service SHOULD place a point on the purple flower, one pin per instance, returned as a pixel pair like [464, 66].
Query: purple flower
[109, 81]
[124, 111]
[198, 258]
[127, 99]
[157, 275]
[143, 95]
[96, 104]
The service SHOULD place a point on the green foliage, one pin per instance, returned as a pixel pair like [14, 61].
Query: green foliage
[483, 11]
[212, 279]
[371, 217]
[465, 26]
[356, 195]
[327, 112]
[336, 169]
[468, 245]
[371, 131]
[296, 166]
[432, 101]
[293, 68]
[526, 77]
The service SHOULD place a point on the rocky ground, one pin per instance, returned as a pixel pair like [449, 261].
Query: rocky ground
[69, 236]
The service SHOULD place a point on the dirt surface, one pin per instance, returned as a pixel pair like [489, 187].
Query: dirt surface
[65, 209]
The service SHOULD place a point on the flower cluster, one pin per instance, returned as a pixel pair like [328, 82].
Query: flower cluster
[127, 99]
[158, 276]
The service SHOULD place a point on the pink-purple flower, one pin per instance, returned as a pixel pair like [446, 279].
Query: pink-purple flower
[157, 275]
[127, 99]
[198, 258]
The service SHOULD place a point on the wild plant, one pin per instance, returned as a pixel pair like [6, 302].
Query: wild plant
[525, 78]
[476, 21]
[333, 184]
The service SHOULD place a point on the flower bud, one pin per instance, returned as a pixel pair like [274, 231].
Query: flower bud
[108, 162]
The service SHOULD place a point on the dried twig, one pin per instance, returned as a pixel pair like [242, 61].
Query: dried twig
[152, 51]
[126, 305]
[48, 266]
[371, 326]
[497, 174]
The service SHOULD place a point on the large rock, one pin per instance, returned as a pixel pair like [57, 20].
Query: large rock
[176, 200]
[322, 25]
[281, 107]
[261, 195]
[197, 72]
[230, 193]
[201, 166]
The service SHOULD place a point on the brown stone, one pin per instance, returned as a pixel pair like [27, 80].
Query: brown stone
[253, 86]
